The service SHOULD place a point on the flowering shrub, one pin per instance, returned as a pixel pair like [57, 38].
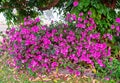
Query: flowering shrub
[42, 49]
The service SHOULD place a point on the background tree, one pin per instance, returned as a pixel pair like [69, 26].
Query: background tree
[34, 8]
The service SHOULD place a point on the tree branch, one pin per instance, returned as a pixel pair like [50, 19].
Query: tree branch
[50, 5]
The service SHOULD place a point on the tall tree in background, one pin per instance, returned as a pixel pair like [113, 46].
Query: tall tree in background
[34, 8]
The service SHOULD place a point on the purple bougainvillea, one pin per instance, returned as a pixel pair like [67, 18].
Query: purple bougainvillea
[43, 49]
[117, 20]
[75, 3]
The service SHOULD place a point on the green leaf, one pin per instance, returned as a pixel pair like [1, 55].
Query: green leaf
[117, 38]
[86, 2]
[93, 12]
[80, 6]
[101, 10]
[86, 9]
[69, 3]
[31, 72]
[2, 10]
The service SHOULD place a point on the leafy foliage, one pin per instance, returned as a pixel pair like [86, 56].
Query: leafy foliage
[111, 71]
[15, 11]
[103, 16]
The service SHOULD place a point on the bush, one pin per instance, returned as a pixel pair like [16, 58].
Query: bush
[42, 49]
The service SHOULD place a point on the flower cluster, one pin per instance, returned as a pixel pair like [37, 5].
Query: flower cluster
[116, 27]
[43, 49]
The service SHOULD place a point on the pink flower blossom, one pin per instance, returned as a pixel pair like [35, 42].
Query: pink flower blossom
[80, 19]
[73, 17]
[109, 36]
[110, 59]
[75, 3]
[107, 78]
[77, 73]
[33, 63]
[54, 64]
[100, 62]
[117, 20]
[80, 25]
[109, 51]
[37, 20]
[112, 26]
[43, 28]
[118, 28]
[89, 12]
[81, 14]
[117, 34]
[35, 29]
[39, 57]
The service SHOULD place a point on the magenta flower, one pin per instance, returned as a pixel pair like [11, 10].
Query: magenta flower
[25, 31]
[27, 42]
[33, 63]
[89, 12]
[75, 3]
[77, 73]
[109, 36]
[70, 38]
[80, 19]
[54, 64]
[24, 61]
[55, 39]
[100, 62]
[110, 59]
[73, 17]
[107, 78]
[45, 65]
[46, 60]
[32, 37]
[117, 34]
[112, 26]
[46, 41]
[37, 20]
[39, 57]
[68, 16]
[72, 56]
[35, 29]
[70, 70]
[80, 25]
[103, 46]
[43, 28]
[90, 28]
[81, 14]
[117, 20]
[118, 28]
[109, 51]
